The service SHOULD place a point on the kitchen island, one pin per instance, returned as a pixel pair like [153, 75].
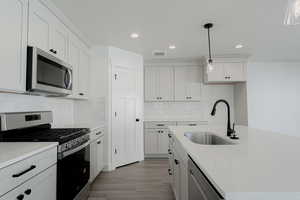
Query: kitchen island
[260, 165]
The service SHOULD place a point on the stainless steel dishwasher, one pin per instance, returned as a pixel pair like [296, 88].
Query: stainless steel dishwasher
[200, 188]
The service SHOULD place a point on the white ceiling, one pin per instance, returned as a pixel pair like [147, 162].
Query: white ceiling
[257, 24]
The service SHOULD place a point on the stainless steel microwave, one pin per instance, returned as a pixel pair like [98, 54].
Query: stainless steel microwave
[47, 75]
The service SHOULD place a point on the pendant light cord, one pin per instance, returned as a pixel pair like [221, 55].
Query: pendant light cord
[209, 47]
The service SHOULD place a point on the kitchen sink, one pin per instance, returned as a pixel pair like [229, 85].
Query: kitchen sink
[206, 138]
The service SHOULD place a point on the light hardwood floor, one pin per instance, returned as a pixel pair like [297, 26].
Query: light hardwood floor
[147, 180]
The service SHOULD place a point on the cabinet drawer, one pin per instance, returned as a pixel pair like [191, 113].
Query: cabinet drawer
[18, 173]
[95, 134]
[191, 123]
[159, 124]
[42, 186]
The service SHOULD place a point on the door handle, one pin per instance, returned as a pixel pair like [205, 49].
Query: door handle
[137, 119]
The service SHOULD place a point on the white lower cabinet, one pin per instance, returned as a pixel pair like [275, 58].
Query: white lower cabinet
[96, 155]
[178, 170]
[42, 186]
[156, 134]
[156, 142]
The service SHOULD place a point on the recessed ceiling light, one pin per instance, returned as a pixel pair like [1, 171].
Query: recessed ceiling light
[134, 35]
[172, 47]
[239, 46]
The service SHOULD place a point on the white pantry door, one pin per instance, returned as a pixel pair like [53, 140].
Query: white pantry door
[125, 96]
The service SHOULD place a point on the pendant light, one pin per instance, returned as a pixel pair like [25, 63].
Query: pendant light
[208, 26]
[292, 16]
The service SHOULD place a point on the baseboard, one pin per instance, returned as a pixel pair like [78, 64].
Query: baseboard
[153, 156]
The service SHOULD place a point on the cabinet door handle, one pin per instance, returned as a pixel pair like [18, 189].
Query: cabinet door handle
[160, 125]
[53, 51]
[191, 172]
[99, 142]
[169, 135]
[20, 197]
[99, 133]
[192, 124]
[32, 167]
[176, 161]
[28, 192]
[81, 94]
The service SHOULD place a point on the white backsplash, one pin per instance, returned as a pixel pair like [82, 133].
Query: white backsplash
[62, 108]
[195, 110]
[91, 112]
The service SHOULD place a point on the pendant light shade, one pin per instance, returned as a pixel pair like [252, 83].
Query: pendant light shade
[292, 16]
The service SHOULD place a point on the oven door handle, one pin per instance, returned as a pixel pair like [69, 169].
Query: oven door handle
[67, 153]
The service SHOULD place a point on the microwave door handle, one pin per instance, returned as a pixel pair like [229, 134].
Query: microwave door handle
[66, 78]
[70, 79]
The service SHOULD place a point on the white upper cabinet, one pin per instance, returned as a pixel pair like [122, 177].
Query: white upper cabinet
[60, 39]
[151, 84]
[188, 83]
[235, 71]
[74, 58]
[84, 72]
[35, 23]
[225, 72]
[40, 21]
[159, 83]
[50, 34]
[13, 46]
[46, 31]
[80, 61]
[166, 83]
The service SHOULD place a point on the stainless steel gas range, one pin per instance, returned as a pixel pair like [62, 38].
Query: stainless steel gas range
[73, 166]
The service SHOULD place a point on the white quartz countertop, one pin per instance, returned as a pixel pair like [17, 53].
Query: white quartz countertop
[261, 165]
[92, 127]
[12, 152]
[171, 119]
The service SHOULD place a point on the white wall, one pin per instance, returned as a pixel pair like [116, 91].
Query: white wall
[62, 108]
[240, 104]
[274, 96]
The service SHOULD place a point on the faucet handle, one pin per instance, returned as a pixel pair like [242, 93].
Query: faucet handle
[233, 135]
